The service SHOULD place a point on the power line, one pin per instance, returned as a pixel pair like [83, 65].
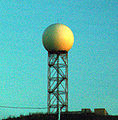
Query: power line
[11, 107]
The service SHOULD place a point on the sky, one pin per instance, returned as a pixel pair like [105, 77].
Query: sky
[93, 59]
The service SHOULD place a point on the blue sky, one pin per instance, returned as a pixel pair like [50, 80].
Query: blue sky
[93, 59]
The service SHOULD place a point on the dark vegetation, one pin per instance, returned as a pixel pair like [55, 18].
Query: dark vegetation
[64, 116]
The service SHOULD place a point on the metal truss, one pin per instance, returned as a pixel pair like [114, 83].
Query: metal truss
[57, 82]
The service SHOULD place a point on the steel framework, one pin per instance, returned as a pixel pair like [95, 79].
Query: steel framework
[57, 82]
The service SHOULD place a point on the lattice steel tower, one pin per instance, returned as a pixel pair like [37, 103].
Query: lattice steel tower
[57, 81]
[58, 40]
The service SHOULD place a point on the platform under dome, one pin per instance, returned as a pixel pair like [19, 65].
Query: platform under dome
[57, 37]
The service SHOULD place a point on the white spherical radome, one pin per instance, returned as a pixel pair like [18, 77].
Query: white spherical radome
[58, 37]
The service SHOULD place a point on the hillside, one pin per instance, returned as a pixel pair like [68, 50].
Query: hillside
[65, 116]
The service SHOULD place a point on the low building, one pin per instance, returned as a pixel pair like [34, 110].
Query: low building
[72, 112]
[100, 111]
[86, 110]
